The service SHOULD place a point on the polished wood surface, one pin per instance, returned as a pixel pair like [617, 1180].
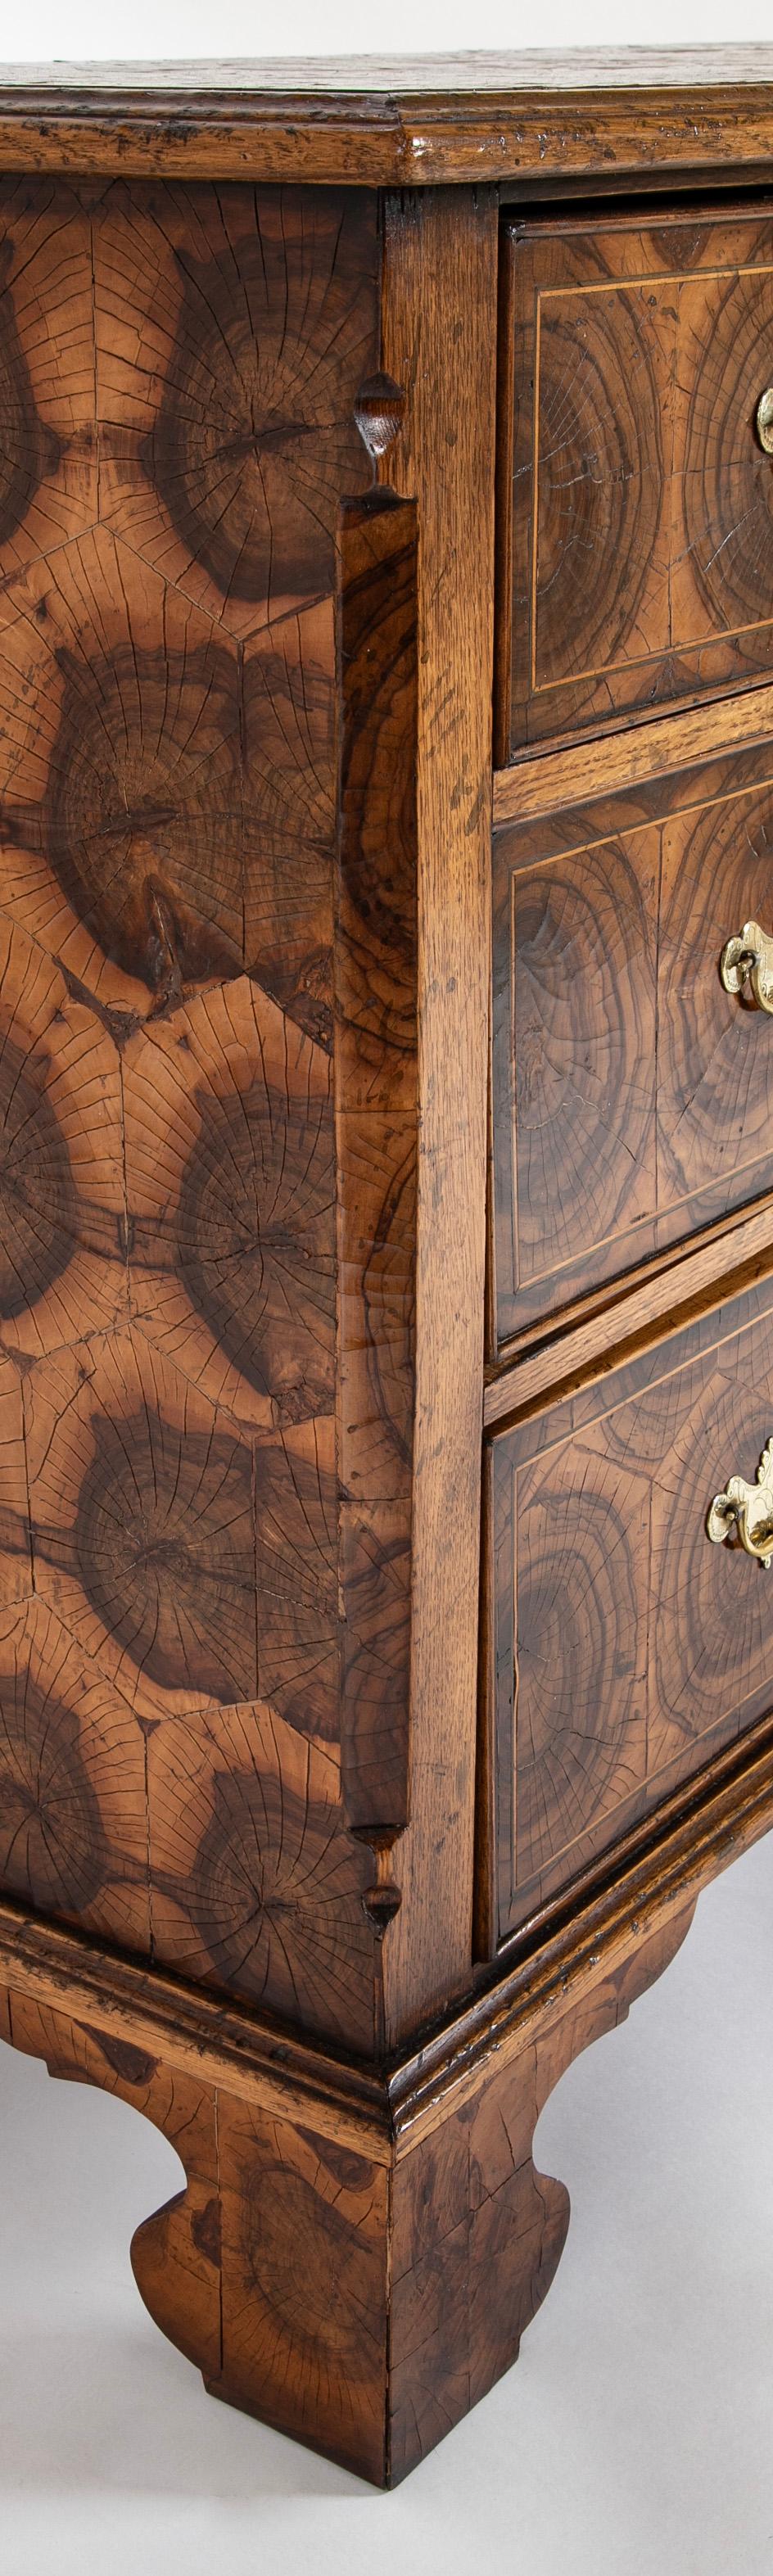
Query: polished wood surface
[573, 773]
[427, 2237]
[349, 2298]
[265, 1870]
[178, 385]
[631, 1092]
[622, 1649]
[439, 340]
[376, 1008]
[639, 527]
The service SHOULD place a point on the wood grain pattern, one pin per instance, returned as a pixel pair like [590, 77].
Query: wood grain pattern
[359, 2296]
[245, 803]
[676, 741]
[228, 443]
[640, 534]
[630, 113]
[376, 1003]
[230, 1160]
[439, 337]
[178, 374]
[427, 2236]
[48, 469]
[620, 1653]
[166, 800]
[255, 1881]
[728, 1257]
[631, 1095]
[478, 2230]
[73, 1820]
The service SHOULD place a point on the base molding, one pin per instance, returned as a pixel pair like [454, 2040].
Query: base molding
[358, 2250]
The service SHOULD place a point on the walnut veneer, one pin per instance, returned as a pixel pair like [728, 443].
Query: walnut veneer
[386, 1179]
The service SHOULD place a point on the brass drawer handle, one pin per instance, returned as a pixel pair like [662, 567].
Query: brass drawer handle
[749, 959]
[763, 419]
[747, 1511]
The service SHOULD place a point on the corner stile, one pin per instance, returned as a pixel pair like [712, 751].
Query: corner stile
[376, 1112]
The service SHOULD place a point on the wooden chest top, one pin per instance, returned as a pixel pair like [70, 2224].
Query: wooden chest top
[399, 120]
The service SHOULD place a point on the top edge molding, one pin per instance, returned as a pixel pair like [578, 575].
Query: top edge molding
[386, 121]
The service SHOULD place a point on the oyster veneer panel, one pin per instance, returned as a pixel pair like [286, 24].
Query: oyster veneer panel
[178, 373]
[48, 441]
[632, 1093]
[256, 1885]
[625, 1650]
[637, 536]
[230, 1168]
[73, 1806]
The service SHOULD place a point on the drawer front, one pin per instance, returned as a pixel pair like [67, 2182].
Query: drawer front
[632, 1093]
[623, 1648]
[638, 502]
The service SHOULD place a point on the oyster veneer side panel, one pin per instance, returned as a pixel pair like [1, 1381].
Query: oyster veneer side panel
[168, 1271]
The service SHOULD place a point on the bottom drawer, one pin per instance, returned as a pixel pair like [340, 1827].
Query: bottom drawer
[623, 1647]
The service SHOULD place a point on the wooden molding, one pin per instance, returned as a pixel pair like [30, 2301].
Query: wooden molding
[544, 781]
[376, 1109]
[617, 1324]
[467, 118]
[660, 1870]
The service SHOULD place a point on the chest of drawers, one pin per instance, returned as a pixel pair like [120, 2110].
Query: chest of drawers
[386, 1159]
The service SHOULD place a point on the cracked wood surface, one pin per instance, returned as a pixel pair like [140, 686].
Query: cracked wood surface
[622, 1650]
[178, 373]
[638, 529]
[631, 1094]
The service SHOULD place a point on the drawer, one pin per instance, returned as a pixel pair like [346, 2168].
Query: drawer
[622, 1648]
[632, 1094]
[636, 526]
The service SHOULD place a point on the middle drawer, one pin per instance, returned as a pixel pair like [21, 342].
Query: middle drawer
[632, 1090]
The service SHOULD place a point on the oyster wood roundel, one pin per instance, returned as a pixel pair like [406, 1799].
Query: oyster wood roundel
[728, 480]
[578, 1613]
[29, 450]
[226, 462]
[142, 821]
[600, 482]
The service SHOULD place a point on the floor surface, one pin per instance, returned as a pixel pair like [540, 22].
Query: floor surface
[632, 2439]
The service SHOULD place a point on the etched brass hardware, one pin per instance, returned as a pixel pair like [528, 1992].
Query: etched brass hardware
[749, 959]
[746, 1511]
[764, 421]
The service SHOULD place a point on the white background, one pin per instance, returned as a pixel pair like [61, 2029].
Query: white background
[634, 2437]
[68, 29]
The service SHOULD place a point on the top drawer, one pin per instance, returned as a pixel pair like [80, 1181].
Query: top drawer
[637, 497]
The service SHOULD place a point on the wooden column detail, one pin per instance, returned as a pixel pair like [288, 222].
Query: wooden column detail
[439, 344]
[376, 1150]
